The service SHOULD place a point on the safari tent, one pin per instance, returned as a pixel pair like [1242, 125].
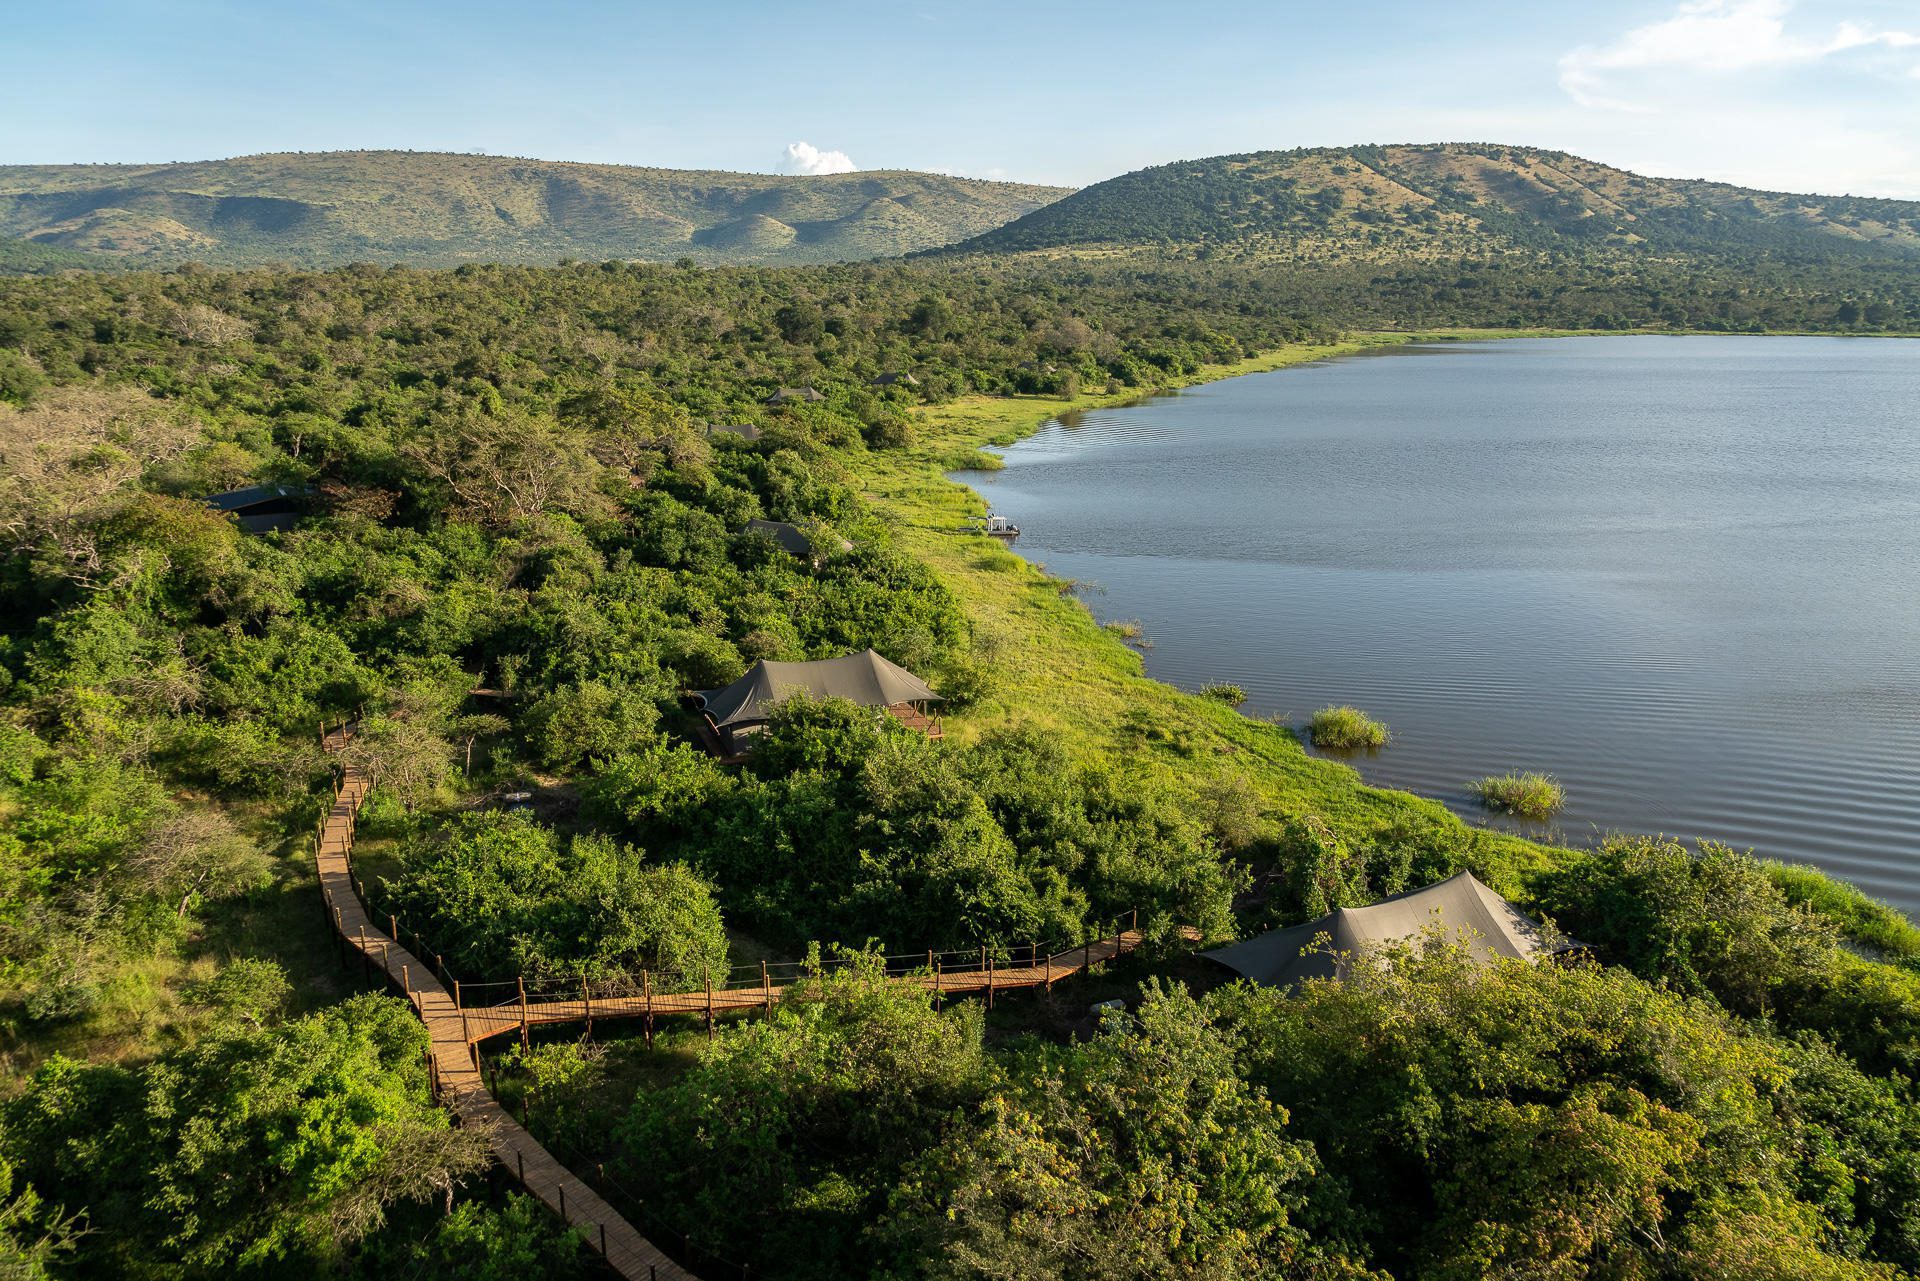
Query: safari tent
[740, 710]
[1458, 908]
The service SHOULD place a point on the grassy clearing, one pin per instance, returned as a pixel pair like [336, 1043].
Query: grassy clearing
[1346, 729]
[1057, 670]
[145, 1008]
[1527, 795]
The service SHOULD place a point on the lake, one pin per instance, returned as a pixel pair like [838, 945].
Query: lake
[1682, 575]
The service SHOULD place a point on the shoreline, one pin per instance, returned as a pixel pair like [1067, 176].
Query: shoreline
[1091, 691]
[1058, 670]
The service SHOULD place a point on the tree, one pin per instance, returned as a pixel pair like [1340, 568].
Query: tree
[254, 1145]
[1142, 1153]
[70, 461]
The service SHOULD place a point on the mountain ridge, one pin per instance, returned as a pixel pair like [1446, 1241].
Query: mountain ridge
[444, 208]
[1435, 200]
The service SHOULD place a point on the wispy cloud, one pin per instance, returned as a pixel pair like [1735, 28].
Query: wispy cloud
[1714, 36]
[804, 157]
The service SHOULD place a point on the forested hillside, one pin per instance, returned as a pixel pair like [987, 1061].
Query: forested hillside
[430, 208]
[1389, 203]
[518, 545]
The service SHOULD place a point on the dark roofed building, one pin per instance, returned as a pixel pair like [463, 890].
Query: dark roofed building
[1458, 908]
[741, 710]
[745, 431]
[786, 395]
[896, 380]
[259, 508]
[792, 539]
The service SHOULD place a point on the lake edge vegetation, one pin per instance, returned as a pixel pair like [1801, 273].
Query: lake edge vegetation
[171, 661]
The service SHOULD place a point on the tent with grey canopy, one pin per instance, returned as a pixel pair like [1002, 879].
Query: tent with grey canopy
[742, 708]
[1458, 909]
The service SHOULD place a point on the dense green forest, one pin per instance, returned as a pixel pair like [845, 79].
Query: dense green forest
[521, 546]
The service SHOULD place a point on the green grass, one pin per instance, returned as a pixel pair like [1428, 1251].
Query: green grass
[1060, 672]
[1345, 729]
[1864, 920]
[1527, 795]
[143, 1008]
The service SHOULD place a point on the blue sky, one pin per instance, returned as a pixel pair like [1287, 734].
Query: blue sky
[1813, 95]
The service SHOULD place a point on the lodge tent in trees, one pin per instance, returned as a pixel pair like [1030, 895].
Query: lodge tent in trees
[742, 709]
[792, 539]
[1458, 909]
[261, 508]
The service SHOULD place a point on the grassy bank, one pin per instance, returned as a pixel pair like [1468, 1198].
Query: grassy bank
[1056, 669]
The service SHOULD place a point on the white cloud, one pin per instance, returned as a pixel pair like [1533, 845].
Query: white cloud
[804, 157]
[1715, 36]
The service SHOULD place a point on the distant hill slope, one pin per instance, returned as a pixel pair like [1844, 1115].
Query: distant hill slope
[437, 209]
[1440, 200]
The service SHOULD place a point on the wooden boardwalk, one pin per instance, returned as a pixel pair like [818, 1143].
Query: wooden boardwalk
[456, 1027]
[985, 979]
[456, 1073]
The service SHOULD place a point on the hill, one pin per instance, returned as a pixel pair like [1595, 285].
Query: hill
[1441, 200]
[426, 208]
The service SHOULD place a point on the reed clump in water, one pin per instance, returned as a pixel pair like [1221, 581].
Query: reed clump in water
[1527, 795]
[1346, 729]
[1227, 692]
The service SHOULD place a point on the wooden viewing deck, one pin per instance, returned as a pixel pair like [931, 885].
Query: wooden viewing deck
[455, 1027]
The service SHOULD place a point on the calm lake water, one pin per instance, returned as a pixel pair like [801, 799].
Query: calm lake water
[1680, 574]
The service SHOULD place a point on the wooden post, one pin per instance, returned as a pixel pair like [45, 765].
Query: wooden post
[563, 1200]
[709, 1005]
[393, 927]
[521, 979]
[1135, 926]
[1049, 971]
[989, 956]
[456, 996]
[936, 985]
[406, 982]
[766, 987]
[646, 990]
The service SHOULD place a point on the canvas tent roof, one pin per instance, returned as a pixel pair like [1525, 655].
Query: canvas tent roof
[1488, 924]
[865, 678]
[238, 500]
[790, 536]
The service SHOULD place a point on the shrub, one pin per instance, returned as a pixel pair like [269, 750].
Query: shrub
[1345, 729]
[1523, 795]
[500, 894]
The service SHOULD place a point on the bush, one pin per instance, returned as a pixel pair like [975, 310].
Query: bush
[1345, 729]
[498, 894]
[1528, 795]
